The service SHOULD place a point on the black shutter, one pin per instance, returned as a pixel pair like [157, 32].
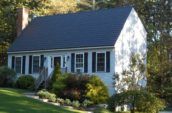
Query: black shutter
[108, 61]
[23, 64]
[30, 64]
[85, 62]
[42, 61]
[73, 62]
[94, 62]
[13, 62]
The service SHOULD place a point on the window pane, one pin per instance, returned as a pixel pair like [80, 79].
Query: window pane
[79, 60]
[18, 65]
[36, 64]
[101, 62]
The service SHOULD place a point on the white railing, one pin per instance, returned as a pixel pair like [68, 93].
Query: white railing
[42, 77]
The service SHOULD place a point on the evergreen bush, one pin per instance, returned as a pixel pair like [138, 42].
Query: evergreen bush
[7, 77]
[25, 82]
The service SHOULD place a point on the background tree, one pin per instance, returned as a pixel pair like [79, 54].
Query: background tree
[8, 16]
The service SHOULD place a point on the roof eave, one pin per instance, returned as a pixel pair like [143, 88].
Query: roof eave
[66, 49]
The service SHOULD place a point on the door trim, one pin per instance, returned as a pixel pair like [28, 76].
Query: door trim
[60, 60]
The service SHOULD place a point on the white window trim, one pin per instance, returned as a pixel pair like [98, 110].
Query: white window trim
[21, 64]
[32, 63]
[104, 64]
[83, 62]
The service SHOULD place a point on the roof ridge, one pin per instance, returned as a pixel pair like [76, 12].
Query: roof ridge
[87, 11]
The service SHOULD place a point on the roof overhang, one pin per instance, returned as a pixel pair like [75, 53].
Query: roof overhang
[66, 49]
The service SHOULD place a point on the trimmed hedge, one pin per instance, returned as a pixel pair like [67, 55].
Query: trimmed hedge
[25, 82]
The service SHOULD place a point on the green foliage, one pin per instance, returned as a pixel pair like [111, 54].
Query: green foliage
[25, 82]
[86, 103]
[7, 76]
[58, 81]
[141, 101]
[75, 103]
[52, 97]
[165, 89]
[148, 103]
[96, 90]
[75, 87]
[47, 95]
[132, 77]
[61, 101]
[73, 94]
[43, 94]
[80, 87]
[67, 101]
[59, 85]
[56, 73]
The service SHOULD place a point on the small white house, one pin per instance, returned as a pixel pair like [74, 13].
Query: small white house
[93, 42]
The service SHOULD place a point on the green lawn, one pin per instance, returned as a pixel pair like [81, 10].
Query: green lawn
[12, 101]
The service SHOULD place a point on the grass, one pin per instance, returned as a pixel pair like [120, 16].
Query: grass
[12, 101]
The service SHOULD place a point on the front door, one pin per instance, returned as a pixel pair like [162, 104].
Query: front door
[57, 60]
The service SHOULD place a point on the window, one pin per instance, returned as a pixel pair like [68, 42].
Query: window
[79, 62]
[18, 65]
[100, 61]
[36, 64]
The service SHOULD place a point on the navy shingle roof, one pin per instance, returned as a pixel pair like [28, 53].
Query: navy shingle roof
[83, 29]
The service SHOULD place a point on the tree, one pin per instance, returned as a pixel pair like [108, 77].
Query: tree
[52, 7]
[56, 74]
[133, 78]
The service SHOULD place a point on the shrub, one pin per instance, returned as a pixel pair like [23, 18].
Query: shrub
[55, 77]
[59, 85]
[146, 102]
[96, 90]
[7, 76]
[67, 101]
[77, 81]
[72, 94]
[139, 100]
[86, 103]
[25, 82]
[43, 94]
[71, 86]
[75, 104]
[60, 100]
[76, 87]
[52, 97]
